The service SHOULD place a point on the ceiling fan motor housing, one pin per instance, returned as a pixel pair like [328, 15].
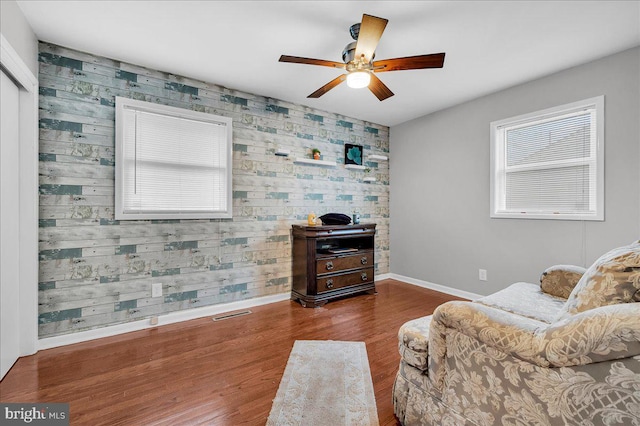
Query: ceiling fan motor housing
[354, 30]
[349, 52]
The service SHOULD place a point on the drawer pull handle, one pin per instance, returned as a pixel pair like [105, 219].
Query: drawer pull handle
[363, 260]
[329, 265]
[363, 276]
[330, 283]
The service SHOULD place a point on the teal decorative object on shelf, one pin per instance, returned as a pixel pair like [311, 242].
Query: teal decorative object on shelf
[353, 154]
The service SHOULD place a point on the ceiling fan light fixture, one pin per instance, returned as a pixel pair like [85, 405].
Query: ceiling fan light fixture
[358, 79]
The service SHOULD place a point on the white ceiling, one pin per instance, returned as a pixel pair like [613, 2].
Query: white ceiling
[489, 45]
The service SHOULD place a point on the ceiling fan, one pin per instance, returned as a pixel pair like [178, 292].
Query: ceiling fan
[358, 60]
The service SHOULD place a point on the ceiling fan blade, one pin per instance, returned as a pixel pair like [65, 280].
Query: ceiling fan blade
[435, 60]
[371, 30]
[311, 61]
[330, 85]
[379, 89]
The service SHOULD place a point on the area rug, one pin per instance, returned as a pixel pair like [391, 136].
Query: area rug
[325, 382]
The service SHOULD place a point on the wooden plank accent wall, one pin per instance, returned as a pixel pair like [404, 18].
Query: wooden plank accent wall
[96, 271]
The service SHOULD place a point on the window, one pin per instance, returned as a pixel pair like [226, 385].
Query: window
[550, 164]
[171, 163]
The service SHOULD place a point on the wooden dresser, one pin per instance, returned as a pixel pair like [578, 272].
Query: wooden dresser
[332, 261]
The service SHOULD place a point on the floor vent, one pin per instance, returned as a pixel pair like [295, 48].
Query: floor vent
[233, 315]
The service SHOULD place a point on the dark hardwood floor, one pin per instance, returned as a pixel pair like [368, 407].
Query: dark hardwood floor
[215, 373]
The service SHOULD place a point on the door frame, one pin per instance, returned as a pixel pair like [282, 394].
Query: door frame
[15, 67]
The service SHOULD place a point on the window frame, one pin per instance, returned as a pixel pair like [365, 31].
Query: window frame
[497, 161]
[123, 103]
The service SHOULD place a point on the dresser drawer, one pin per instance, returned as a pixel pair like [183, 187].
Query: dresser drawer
[333, 282]
[343, 263]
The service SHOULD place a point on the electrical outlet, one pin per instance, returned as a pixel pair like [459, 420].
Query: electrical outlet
[482, 274]
[156, 290]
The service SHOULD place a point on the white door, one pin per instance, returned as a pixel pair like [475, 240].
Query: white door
[9, 221]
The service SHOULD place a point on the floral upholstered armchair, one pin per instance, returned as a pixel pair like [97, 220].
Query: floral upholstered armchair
[565, 352]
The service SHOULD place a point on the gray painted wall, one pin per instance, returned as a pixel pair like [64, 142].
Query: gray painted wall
[19, 34]
[440, 228]
[96, 271]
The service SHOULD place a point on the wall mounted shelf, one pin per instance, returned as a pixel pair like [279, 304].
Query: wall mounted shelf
[315, 162]
[354, 166]
[378, 157]
[369, 179]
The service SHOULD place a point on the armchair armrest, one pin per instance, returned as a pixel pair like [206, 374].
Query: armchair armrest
[559, 280]
[605, 333]
[507, 332]
[600, 334]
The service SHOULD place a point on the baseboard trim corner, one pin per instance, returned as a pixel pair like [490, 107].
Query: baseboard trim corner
[436, 287]
[170, 318]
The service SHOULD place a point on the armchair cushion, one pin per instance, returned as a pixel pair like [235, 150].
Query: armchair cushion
[560, 280]
[539, 306]
[613, 278]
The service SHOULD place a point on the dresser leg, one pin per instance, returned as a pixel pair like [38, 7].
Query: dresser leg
[310, 304]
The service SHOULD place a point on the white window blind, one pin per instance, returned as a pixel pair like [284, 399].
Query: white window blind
[549, 164]
[171, 162]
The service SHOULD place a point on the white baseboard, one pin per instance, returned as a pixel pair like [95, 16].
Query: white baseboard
[170, 318]
[436, 287]
[174, 317]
